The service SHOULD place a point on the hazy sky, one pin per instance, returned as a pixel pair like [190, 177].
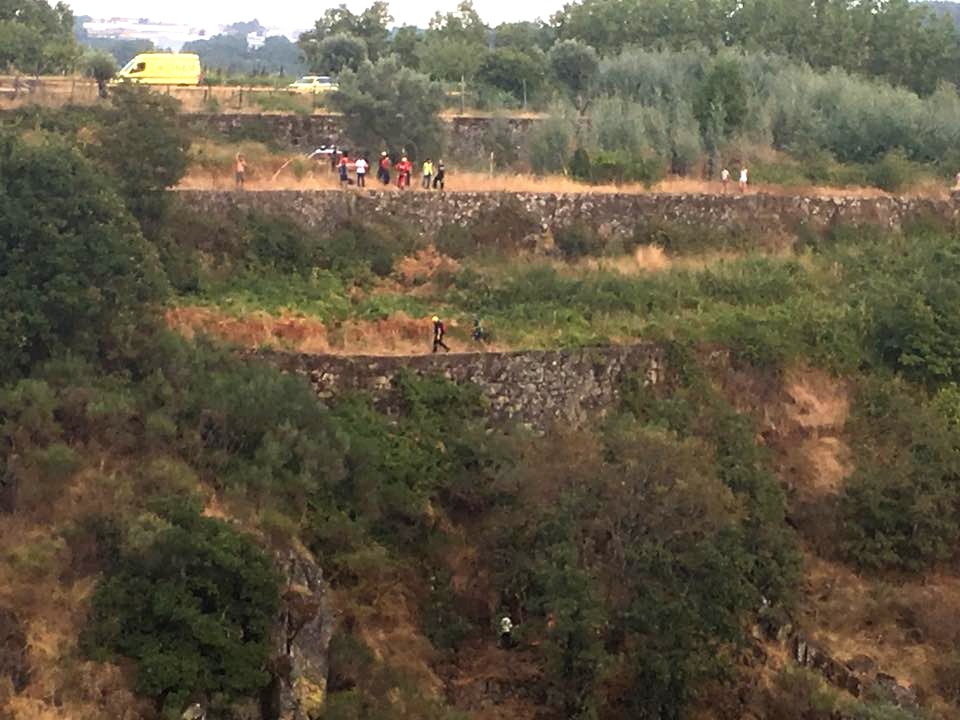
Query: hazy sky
[297, 14]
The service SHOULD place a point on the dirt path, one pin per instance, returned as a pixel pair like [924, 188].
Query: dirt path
[399, 335]
[261, 178]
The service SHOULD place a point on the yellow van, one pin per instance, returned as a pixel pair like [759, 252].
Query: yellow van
[162, 69]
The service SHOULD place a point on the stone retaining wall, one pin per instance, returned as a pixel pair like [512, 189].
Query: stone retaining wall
[760, 216]
[464, 136]
[535, 388]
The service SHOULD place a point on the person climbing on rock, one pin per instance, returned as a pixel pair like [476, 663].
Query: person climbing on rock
[506, 632]
[439, 330]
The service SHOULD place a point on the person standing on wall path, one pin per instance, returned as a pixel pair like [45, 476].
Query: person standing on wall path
[743, 179]
[240, 177]
[427, 173]
[383, 169]
[439, 330]
[439, 178]
[725, 179]
[344, 167]
[361, 166]
[404, 168]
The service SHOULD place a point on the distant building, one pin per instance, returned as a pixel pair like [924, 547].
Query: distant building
[163, 35]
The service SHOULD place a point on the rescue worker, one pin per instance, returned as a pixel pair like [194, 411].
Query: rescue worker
[439, 330]
[383, 171]
[404, 168]
[427, 173]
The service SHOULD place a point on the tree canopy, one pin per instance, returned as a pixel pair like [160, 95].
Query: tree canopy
[391, 107]
[75, 271]
[36, 38]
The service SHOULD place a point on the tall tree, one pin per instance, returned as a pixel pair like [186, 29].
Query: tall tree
[338, 52]
[75, 272]
[391, 107]
[575, 66]
[37, 38]
[370, 26]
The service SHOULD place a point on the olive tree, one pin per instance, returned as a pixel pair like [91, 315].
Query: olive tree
[389, 106]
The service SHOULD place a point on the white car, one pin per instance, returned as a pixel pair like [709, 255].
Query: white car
[314, 84]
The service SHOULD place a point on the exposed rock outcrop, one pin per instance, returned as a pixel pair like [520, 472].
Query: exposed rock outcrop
[302, 639]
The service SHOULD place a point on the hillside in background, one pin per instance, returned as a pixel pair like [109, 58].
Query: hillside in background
[950, 9]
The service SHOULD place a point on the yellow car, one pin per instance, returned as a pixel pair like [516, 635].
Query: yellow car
[314, 84]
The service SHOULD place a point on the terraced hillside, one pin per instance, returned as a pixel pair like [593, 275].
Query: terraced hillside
[703, 455]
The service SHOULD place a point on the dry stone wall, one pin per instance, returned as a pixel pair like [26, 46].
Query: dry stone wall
[464, 136]
[757, 215]
[537, 388]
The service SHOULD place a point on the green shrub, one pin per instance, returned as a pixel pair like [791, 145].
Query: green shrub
[800, 694]
[579, 240]
[893, 172]
[901, 507]
[376, 246]
[193, 607]
[619, 167]
[679, 238]
[550, 144]
[909, 289]
[455, 241]
[279, 243]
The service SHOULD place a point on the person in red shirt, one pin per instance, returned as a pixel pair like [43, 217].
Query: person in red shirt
[383, 171]
[404, 168]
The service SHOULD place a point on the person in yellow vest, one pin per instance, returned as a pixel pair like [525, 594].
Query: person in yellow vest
[427, 173]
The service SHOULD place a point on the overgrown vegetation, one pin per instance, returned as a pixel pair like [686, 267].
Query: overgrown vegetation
[150, 481]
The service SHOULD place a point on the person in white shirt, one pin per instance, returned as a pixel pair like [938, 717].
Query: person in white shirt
[743, 179]
[361, 165]
[725, 179]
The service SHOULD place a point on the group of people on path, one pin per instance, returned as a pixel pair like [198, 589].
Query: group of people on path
[434, 176]
[744, 179]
